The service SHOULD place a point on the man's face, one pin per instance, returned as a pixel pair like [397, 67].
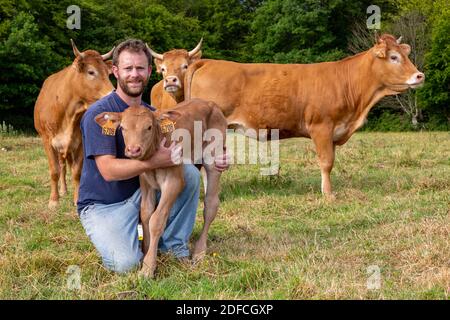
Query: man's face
[132, 72]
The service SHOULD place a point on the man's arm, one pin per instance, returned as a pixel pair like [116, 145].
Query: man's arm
[113, 169]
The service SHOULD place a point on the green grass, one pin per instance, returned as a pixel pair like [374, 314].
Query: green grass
[273, 238]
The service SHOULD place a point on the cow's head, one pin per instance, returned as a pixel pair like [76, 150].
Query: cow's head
[173, 65]
[140, 129]
[93, 70]
[392, 65]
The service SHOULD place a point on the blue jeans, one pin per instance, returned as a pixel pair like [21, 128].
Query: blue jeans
[112, 228]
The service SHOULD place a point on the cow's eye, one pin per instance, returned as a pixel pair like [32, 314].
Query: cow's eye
[394, 58]
[149, 128]
[91, 72]
[185, 66]
[163, 69]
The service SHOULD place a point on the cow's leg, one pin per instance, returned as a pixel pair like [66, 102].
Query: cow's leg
[148, 203]
[157, 223]
[62, 176]
[209, 211]
[76, 167]
[54, 170]
[323, 140]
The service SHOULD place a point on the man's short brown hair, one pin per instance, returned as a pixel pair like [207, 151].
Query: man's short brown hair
[133, 45]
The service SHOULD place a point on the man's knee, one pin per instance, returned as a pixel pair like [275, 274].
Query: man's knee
[191, 177]
[122, 263]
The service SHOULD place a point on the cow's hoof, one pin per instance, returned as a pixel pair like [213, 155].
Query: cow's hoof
[52, 204]
[330, 197]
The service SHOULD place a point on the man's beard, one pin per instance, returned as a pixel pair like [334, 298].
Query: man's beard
[132, 92]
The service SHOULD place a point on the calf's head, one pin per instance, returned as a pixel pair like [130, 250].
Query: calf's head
[392, 66]
[173, 65]
[140, 129]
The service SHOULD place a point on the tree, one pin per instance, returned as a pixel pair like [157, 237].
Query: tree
[24, 57]
[304, 31]
[435, 94]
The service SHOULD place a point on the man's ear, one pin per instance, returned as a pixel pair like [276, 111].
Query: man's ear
[406, 48]
[171, 115]
[109, 65]
[380, 49]
[158, 64]
[196, 56]
[113, 117]
[115, 71]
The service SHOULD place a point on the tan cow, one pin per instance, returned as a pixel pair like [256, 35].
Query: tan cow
[173, 65]
[326, 102]
[63, 99]
[143, 134]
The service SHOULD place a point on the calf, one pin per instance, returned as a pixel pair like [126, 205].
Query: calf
[142, 131]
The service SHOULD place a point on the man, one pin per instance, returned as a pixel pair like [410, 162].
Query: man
[109, 196]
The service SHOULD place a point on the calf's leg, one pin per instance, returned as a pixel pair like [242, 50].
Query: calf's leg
[157, 223]
[209, 211]
[148, 203]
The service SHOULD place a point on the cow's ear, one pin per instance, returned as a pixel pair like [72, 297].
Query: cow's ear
[171, 115]
[406, 48]
[112, 118]
[109, 64]
[158, 63]
[380, 49]
[196, 56]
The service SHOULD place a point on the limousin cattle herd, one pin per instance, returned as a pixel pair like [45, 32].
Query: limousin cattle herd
[326, 102]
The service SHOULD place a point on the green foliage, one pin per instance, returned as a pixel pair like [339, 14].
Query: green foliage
[24, 61]
[435, 94]
[388, 121]
[303, 31]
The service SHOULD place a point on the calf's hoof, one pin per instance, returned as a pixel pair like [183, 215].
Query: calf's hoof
[147, 272]
[198, 256]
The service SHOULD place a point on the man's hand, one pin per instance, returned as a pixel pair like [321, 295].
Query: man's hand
[222, 162]
[165, 157]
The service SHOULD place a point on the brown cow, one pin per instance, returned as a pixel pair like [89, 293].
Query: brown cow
[142, 131]
[173, 65]
[326, 102]
[63, 99]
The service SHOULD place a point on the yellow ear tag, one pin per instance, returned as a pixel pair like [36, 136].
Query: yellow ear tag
[167, 125]
[108, 129]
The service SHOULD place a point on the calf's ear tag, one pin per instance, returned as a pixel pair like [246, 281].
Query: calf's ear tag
[108, 129]
[167, 125]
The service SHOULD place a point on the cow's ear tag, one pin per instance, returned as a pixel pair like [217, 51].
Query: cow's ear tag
[108, 129]
[167, 125]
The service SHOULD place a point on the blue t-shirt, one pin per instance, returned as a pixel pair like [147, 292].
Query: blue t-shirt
[93, 188]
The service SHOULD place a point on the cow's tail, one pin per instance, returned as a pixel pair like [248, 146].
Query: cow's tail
[188, 78]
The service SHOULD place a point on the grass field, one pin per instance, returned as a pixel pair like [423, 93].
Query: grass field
[274, 238]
